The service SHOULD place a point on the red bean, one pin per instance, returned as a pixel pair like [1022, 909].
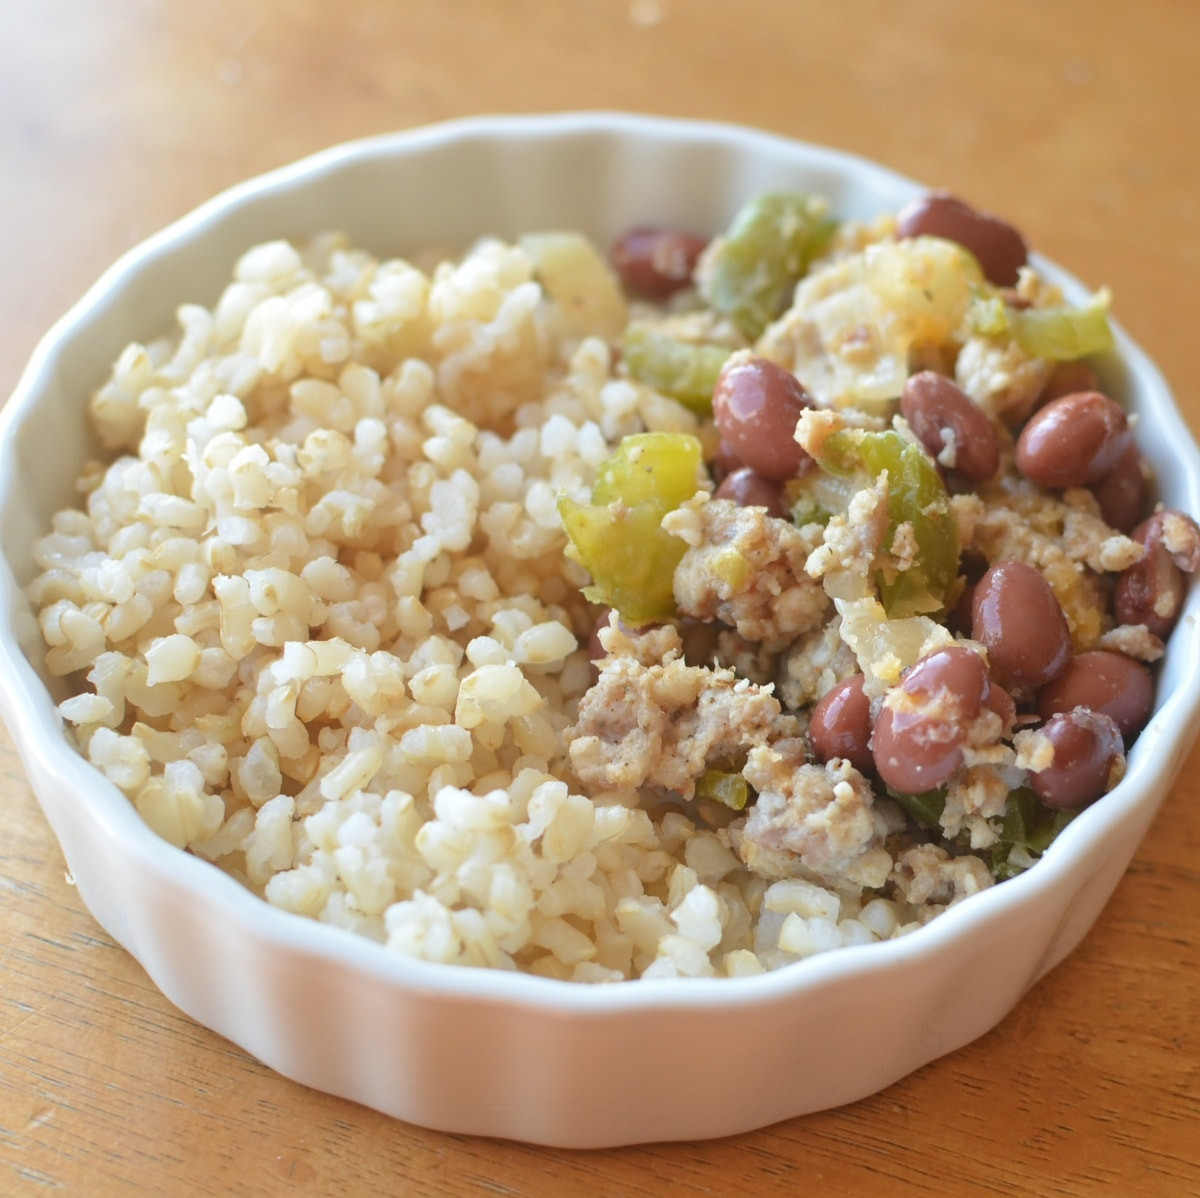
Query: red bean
[724, 462]
[1152, 590]
[756, 404]
[972, 567]
[840, 725]
[1001, 702]
[1121, 493]
[1088, 759]
[1074, 441]
[1000, 249]
[656, 263]
[939, 412]
[1017, 618]
[1101, 680]
[920, 730]
[1068, 377]
[1180, 536]
[747, 488]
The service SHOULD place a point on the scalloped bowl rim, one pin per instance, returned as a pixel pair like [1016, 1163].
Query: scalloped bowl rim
[36, 726]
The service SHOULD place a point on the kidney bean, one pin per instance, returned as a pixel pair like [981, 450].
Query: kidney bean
[1121, 493]
[1111, 683]
[840, 725]
[724, 462]
[1074, 441]
[1152, 590]
[1180, 536]
[939, 411]
[1088, 759]
[1000, 249]
[747, 488]
[1068, 377]
[919, 732]
[656, 263]
[756, 404]
[1017, 618]
[1001, 702]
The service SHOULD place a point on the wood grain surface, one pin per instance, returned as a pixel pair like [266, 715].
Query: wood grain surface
[1077, 119]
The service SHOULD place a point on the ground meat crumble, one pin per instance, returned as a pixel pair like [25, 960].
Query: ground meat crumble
[663, 724]
[747, 571]
[816, 821]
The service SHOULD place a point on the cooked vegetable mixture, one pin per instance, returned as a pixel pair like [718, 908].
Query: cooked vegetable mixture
[684, 611]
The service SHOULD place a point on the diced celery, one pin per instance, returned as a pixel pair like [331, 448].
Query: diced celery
[926, 808]
[731, 789]
[618, 536]
[683, 370]
[731, 567]
[1062, 334]
[988, 315]
[754, 267]
[1028, 829]
[916, 497]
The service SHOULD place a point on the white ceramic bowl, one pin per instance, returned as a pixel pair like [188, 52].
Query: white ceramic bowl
[494, 1053]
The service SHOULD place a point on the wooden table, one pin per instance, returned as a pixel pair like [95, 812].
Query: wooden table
[1075, 118]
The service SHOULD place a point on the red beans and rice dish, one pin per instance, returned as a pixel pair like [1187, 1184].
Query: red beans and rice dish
[681, 610]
